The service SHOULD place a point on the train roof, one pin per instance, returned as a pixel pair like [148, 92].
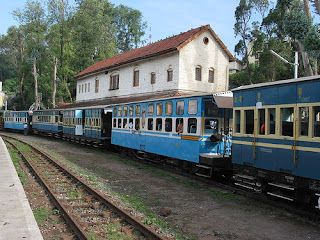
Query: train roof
[108, 102]
[280, 82]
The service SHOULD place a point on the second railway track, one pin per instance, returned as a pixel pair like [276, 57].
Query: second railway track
[88, 212]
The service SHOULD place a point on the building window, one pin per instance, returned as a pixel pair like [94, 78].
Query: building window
[211, 75]
[79, 88]
[88, 87]
[169, 75]
[85, 88]
[153, 78]
[136, 78]
[97, 85]
[114, 82]
[198, 73]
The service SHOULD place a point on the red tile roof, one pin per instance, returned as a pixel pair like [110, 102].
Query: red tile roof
[167, 45]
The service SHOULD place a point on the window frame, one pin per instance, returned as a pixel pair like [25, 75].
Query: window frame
[136, 78]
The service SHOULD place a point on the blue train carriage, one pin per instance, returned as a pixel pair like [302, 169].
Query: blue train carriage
[97, 125]
[47, 122]
[276, 138]
[1, 119]
[185, 128]
[19, 121]
[69, 124]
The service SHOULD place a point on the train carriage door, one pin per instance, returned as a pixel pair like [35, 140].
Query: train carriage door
[143, 125]
[106, 127]
[78, 123]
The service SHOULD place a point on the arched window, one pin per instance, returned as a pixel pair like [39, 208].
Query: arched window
[136, 77]
[198, 73]
[211, 75]
[169, 75]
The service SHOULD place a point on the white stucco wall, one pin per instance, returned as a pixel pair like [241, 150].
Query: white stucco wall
[210, 55]
[158, 65]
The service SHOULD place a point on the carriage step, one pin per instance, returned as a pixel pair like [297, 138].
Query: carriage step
[280, 196]
[245, 177]
[282, 186]
[203, 175]
[203, 166]
[244, 186]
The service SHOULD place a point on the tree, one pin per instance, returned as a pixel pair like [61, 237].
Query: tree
[243, 15]
[130, 28]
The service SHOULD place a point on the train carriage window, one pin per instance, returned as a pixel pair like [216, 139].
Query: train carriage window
[271, 121]
[150, 124]
[249, 121]
[159, 109]
[316, 118]
[125, 111]
[211, 109]
[159, 124]
[125, 123]
[180, 108]
[150, 110]
[119, 123]
[114, 123]
[114, 112]
[169, 108]
[137, 124]
[304, 121]
[179, 125]
[138, 108]
[143, 121]
[210, 126]
[168, 125]
[130, 126]
[287, 121]
[192, 107]
[130, 111]
[237, 119]
[192, 125]
[119, 111]
[262, 121]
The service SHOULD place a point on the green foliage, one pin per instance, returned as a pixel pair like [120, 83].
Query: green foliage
[41, 214]
[77, 36]
[11, 86]
[297, 25]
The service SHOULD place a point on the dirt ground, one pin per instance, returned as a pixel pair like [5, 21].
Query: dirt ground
[194, 208]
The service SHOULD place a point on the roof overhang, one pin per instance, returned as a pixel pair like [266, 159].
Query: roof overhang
[224, 99]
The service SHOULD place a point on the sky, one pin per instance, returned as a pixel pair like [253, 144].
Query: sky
[165, 18]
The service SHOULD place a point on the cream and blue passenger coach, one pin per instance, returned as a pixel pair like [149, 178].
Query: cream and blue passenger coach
[187, 128]
[276, 137]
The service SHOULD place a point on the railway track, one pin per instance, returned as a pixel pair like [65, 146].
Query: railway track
[89, 213]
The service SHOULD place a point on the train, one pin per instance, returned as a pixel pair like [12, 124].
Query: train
[265, 137]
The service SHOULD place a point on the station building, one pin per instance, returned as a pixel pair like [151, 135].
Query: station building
[195, 61]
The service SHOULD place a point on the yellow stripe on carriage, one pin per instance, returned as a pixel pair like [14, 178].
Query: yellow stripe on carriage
[279, 146]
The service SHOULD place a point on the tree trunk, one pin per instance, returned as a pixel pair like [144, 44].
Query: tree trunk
[35, 83]
[317, 3]
[21, 76]
[305, 59]
[306, 5]
[68, 91]
[54, 82]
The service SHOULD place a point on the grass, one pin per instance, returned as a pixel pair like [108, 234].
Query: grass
[41, 215]
[16, 159]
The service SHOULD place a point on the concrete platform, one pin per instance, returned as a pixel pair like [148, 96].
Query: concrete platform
[16, 217]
